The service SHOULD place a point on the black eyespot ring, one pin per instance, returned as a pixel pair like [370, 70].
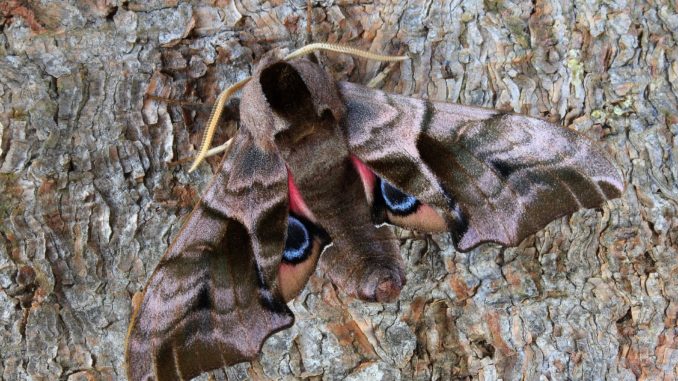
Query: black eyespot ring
[397, 201]
[300, 236]
[298, 242]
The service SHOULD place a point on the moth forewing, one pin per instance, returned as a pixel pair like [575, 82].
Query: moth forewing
[497, 177]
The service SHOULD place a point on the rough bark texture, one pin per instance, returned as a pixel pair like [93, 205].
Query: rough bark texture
[94, 184]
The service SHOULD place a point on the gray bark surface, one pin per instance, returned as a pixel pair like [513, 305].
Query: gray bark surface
[94, 184]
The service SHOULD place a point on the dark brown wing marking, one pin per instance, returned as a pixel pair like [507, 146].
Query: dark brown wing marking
[494, 177]
[214, 297]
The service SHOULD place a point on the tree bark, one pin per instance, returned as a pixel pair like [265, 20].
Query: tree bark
[94, 184]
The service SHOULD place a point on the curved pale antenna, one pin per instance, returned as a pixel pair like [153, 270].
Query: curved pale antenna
[310, 48]
[214, 119]
[223, 97]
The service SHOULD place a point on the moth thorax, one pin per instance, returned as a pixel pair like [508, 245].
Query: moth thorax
[302, 95]
[286, 92]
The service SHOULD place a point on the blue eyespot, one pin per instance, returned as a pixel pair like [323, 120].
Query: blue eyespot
[298, 243]
[397, 201]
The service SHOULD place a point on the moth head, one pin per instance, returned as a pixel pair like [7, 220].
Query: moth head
[293, 98]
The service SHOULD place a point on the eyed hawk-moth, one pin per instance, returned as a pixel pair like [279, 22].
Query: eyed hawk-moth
[314, 172]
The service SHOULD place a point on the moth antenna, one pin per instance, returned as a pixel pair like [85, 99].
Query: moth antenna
[214, 119]
[342, 49]
[226, 94]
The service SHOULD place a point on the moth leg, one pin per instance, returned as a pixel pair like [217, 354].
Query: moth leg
[379, 79]
[219, 149]
[309, 21]
[197, 106]
[214, 119]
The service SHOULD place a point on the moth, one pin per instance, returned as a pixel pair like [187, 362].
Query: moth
[319, 166]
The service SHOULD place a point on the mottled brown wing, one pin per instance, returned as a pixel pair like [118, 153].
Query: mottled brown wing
[495, 177]
[214, 297]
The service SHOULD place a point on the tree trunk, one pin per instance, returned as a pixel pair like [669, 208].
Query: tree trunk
[94, 184]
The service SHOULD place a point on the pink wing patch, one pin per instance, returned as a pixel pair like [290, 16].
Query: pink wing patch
[296, 202]
[368, 177]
